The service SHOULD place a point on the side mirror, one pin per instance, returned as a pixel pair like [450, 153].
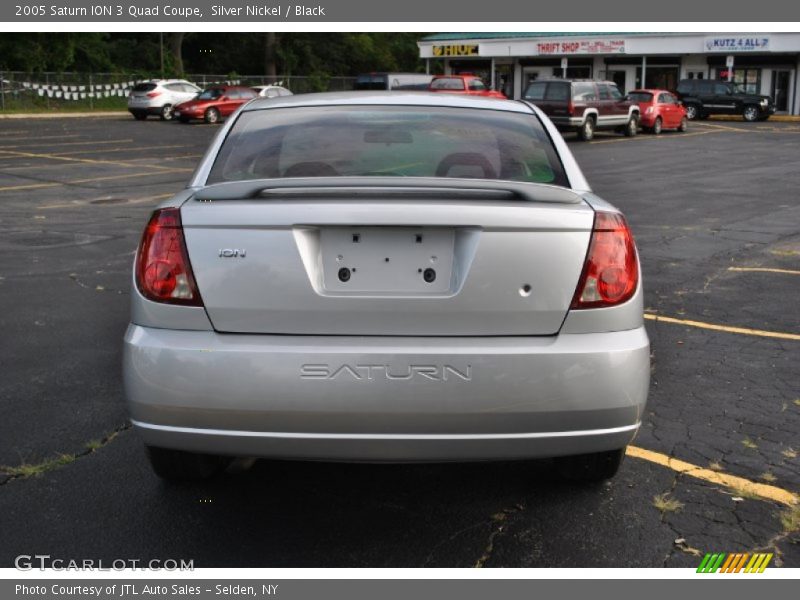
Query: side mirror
[224, 99]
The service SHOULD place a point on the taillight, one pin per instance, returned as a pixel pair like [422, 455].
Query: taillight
[611, 272]
[570, 108]
[153, 94]
[163, 272]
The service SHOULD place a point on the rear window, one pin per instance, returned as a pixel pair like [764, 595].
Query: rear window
[542, 90]
[557, 92]
[640, 97]
[371, 82]
[400, 141]
[211, 94]
[144, 87]
[447, 83]
[535, 91]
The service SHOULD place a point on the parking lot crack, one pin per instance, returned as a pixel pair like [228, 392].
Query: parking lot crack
[27, 470]
[499, 525]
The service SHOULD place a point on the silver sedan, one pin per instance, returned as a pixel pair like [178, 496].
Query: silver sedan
[387, 277]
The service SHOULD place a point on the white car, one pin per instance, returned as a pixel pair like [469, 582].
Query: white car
[159, 96]
[271, 91]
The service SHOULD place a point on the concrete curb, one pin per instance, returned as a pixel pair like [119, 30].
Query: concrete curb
[64, 115]
[776, 118]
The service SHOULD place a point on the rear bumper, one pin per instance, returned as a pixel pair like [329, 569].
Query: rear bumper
[392, 399]
[567, 123]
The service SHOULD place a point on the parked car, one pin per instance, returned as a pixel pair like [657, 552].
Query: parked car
[370, 277]
[659, 110]
[470, 85]
[159, 97]
[704, 97]
[271, 91]
[392, 81]
[214, 104]
[584, 106]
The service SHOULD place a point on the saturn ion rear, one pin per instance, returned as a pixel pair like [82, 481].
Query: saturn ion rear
[387, 277]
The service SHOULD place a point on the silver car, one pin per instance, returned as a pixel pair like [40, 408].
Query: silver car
[159, 97]
[387, 276]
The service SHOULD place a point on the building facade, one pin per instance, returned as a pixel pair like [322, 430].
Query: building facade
[763, 63]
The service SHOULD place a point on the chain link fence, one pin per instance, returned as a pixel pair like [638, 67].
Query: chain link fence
[49, 91]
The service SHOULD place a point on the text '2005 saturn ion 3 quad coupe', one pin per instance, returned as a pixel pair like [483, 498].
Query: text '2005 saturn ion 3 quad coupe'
[387, 277]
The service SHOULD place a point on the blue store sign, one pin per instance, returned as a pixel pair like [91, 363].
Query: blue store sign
[751, 43]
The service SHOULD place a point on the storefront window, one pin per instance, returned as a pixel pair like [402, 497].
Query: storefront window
[748, 80]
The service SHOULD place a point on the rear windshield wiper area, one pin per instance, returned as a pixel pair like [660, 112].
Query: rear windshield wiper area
[387, 187]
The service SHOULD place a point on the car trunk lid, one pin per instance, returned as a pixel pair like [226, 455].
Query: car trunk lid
[387, 256]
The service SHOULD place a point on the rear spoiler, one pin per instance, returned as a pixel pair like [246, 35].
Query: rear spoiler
[393, 187]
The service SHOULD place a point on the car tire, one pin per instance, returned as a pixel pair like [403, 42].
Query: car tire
[139, 115]
[211, 116]
[177, 465]
[692, 112]
[657, 126]
[166, 112]
[684, 125]
[586, 132]
[632, 127]
[751, 113]
[590, 467]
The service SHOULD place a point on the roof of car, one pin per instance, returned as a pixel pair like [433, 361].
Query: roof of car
[360, 98]
[650, 91]
[549, 79]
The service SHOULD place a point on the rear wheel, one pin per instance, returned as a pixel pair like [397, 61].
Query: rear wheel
[692, 112]
[211, 116]
[586, 132]
[657, 126]
[632, 128]
[177, 465]
[751, 113]
[166, 112]
[684, 124]
[590, 467]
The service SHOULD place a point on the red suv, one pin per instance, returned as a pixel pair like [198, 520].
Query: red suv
[214, 103]
[462, 84]
[584, 106]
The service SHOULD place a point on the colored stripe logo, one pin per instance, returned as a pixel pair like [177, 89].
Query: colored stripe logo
[734, 563]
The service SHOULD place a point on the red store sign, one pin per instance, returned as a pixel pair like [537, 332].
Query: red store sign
[582, 47]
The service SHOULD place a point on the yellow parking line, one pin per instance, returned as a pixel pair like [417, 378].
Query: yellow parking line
[49, 145]
[41, 137]
[36, 186]
[713, 326]
[92, 161]
[727, 127]
[762, 490]
[78, 203]
[133, 149]
[763, 270]
[678, 136]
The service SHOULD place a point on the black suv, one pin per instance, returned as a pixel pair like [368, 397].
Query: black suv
[583, 105]
[704, 97]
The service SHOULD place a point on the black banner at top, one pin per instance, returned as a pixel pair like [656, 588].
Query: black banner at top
[454, 11]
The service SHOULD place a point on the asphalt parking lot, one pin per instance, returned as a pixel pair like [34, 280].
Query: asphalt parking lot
[716, 216]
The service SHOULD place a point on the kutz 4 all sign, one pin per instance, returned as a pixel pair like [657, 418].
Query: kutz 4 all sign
[456, 50]
[737, 44]
[720, 562]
